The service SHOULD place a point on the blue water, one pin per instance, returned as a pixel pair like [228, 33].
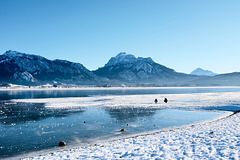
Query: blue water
[26, 94]
[28, 127]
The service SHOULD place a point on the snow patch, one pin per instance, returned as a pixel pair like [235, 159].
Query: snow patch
[24, 76]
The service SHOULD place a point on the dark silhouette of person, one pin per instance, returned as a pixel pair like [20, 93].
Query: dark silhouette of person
[165, 100]
[155, 100]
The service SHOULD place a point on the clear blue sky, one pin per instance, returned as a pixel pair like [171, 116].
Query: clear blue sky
[180, 34]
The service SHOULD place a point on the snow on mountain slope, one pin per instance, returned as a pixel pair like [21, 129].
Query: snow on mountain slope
[127, 67]
[202, 72]
[121, 58]
[16, 67]
[23, 67]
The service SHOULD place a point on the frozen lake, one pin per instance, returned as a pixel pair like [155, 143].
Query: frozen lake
[27, 126]
[48, 93]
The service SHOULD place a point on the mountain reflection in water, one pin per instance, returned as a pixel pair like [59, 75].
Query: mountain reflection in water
[130, 114]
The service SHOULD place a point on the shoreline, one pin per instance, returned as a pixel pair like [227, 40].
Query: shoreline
[197, 101]
[107, 88]
[42, 154]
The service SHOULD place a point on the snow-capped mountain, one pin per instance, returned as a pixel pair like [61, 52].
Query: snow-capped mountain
[127, 67]
[227, 79]
[21, 67]
[202, 72]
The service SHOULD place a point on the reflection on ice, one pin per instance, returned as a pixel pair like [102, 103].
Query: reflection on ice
[130, 114]
[21, 112]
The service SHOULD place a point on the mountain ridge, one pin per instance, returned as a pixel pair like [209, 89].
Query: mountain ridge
[30, 69]
[16, 66]
[127, 67]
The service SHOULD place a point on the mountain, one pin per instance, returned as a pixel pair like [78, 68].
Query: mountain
[26, 68]
[202, 72]
[228, 79]
[128, 68]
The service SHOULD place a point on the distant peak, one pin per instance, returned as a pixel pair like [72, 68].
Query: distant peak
[15, 54]
[121, 54]
[202, 72]
[122, 57]
[11, 53]
[200, 69]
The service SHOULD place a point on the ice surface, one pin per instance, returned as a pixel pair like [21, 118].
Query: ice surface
[210, 140]
[227, 101]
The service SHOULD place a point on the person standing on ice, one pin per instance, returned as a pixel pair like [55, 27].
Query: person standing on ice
[165, 100]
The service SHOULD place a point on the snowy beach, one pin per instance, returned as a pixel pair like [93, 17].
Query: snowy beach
[213, 140]
[218, 139]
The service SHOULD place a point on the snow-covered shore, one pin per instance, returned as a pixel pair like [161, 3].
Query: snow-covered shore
[219, 139]
[212, 140]
[226, 101]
